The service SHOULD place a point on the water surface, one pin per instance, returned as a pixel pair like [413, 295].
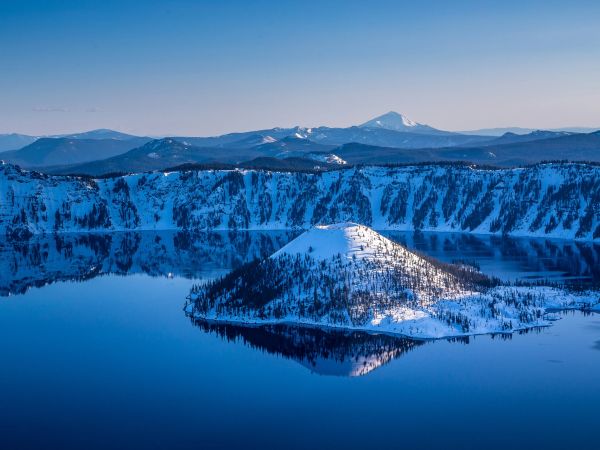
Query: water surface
[97, 353]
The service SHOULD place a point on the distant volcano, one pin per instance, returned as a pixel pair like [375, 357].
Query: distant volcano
[398, 122]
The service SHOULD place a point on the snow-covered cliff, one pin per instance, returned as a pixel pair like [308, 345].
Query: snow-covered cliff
[552, 200]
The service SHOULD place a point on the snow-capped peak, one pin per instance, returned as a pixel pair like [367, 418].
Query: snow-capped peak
[395, 121]
[394, 117]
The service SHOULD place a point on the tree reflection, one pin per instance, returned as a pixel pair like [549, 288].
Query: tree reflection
[325, 351]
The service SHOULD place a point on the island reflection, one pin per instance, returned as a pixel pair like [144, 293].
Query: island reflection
[332, 351]
[324, 351]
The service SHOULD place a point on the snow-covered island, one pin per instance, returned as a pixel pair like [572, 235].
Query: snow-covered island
[349, 276]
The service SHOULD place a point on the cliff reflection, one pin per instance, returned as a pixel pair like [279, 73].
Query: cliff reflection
[41, 260]
[77, 257]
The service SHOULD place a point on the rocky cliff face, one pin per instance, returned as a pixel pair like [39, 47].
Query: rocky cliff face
[551, 200]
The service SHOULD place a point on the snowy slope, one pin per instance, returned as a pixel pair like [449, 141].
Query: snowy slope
[550, 200]
[348, 239]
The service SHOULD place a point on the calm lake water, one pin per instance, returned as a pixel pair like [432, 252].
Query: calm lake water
[97, 353]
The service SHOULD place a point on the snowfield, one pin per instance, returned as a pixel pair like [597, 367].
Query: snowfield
[349, 240]
[348, 276]
[547, 200]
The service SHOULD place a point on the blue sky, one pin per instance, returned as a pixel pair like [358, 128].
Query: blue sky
[202, 68]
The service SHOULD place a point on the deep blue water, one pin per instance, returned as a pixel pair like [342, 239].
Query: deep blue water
[101, 355]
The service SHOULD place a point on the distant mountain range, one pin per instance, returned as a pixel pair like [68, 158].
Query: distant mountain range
[47, 152]
[512, 138]
[101, 133]
[519, 130]
[517, 151]
[169, 153]
[15, 141]
[391, 138]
